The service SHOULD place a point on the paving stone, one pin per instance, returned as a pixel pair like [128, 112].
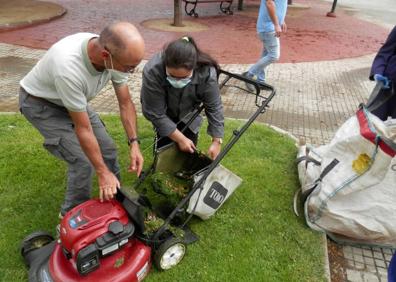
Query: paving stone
[369, 277]
[387, 251]
[367, 252]
[359, 265]
[371, 268]
[354, 276]
[380, 263]
[383, 278]
[357, 251]
[378, 255]
[358, 258]
[382, 271]
[388, 257]
[369, 261]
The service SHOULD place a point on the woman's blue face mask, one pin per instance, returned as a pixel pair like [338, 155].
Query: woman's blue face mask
[178, 82]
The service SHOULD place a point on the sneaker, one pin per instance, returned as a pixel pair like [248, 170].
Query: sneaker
[249, 86]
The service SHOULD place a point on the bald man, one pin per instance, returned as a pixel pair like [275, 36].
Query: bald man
[54, 98]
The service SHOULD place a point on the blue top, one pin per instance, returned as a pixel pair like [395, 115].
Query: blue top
[264, 23]
[385, 60]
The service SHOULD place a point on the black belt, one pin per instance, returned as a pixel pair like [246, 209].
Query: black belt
[38, 98]
[45, 101]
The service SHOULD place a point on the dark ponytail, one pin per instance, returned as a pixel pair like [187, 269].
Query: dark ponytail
[184, 53]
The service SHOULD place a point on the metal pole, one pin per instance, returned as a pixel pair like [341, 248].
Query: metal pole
[240, 5]
[332, 12]
[177, 19]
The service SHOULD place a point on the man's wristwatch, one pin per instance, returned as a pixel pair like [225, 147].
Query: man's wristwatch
[219, 140]
[133, 139]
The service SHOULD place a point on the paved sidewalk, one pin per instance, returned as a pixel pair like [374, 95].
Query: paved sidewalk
[313, 99]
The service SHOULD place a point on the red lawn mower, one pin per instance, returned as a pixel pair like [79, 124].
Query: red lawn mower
[109, 241]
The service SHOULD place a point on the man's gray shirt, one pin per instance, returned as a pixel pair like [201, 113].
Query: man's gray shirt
[165, 105]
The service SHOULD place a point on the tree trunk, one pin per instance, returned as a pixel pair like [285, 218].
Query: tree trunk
[177, 18]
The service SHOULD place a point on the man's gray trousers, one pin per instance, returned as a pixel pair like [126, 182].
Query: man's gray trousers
[55, 125]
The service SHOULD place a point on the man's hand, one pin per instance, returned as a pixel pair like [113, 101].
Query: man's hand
[383, 79]
[186, 145]
[278, 30]
[271, 8]
[108, 184]
[214, 149]
[136, 158]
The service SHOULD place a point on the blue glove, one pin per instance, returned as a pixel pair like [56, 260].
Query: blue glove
[383, 79]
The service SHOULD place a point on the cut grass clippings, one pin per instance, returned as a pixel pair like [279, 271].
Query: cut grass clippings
[255, 236]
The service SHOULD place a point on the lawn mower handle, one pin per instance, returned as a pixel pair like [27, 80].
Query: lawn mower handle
[236, 135]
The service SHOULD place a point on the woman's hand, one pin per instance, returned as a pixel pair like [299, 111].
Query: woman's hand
[214, 148]
[186, 145]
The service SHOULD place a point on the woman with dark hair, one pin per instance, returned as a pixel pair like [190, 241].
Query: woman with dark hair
[175, 82]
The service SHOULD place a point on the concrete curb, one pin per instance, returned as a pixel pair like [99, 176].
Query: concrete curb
[326, 258]
[31, 14]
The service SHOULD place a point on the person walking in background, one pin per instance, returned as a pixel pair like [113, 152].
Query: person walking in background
[383, 70]
[175, 82]
[54, 98]
[270, 25]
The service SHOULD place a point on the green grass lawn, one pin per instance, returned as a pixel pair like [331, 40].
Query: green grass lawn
[254, 237]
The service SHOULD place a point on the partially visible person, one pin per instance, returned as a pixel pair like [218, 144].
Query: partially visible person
[54, 98]
[175, 82]
[270, 26]
[384, 69]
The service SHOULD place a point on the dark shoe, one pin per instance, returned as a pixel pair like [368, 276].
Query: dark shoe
[249, 86]
[261, 84]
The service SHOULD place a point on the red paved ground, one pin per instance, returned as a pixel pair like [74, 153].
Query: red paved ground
[231, 39]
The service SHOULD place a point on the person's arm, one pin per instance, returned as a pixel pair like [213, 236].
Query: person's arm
[74, 100]
[386, 58]
[153, 99]
[108, 182]
[271, 8]
[128, 119]
[214, 112]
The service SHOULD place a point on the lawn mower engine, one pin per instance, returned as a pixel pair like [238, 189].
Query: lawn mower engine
[96, 244]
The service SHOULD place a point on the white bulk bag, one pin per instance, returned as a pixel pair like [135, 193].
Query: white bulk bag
[351, 184]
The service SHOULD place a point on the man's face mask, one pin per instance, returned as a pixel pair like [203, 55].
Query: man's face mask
[113, 71]
[178, 82]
